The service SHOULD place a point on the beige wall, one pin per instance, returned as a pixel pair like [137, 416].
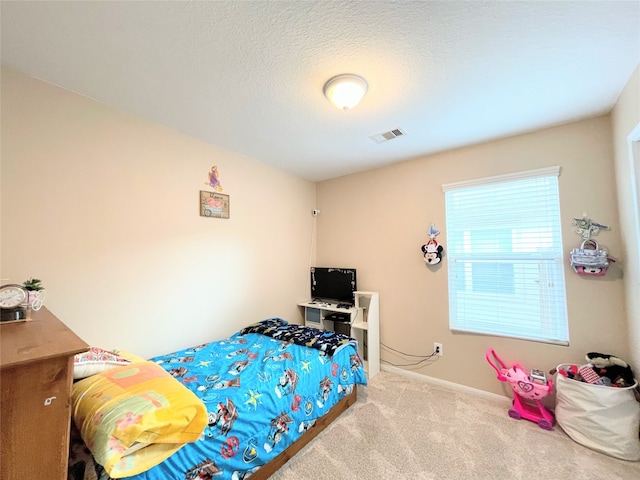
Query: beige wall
[626, 119]
[103, 207]
[376, 222]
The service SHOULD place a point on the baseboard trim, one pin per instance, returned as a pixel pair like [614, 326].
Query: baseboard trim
[444, 383]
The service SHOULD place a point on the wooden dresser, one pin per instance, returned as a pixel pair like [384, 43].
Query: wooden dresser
[36, 373]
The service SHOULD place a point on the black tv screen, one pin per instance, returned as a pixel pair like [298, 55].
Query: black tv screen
[333, 285]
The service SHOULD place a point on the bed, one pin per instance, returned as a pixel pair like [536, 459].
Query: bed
[247, 404]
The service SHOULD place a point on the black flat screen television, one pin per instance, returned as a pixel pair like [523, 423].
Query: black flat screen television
[333, 285]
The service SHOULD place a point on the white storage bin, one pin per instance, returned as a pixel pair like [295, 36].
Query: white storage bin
[603, 418]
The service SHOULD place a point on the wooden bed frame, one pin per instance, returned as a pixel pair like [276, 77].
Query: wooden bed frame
[274, 465]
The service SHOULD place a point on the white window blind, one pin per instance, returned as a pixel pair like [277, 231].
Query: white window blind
[504, 250]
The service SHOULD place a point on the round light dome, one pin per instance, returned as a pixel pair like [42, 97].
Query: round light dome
[345, 91]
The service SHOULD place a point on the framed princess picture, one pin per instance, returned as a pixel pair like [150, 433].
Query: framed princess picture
[214, 204]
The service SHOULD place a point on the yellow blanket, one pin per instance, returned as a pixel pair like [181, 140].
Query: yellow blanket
[134, 416]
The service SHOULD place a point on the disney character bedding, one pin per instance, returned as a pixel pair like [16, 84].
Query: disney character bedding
[262, 388]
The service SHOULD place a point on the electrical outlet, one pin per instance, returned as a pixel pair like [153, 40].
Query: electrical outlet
[437, 348]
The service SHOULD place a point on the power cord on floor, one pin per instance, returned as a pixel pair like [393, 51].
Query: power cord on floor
[423, 357]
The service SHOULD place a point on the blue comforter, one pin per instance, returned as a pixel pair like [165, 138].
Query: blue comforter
[261, 393]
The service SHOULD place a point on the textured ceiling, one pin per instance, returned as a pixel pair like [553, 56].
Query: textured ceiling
[248, 75]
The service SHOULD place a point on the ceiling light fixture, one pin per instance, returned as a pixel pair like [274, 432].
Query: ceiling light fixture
[345, 91]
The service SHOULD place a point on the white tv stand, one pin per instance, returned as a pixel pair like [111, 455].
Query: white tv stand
[364, 322]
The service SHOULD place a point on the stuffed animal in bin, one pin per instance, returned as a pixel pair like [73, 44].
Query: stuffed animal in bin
[612, 367]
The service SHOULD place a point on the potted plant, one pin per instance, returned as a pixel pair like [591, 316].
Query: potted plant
[34, 287]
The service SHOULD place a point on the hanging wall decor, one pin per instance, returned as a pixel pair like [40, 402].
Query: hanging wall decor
[431, 251]
[586, 227]
[214, 205]
[589, 259]
[213, 179]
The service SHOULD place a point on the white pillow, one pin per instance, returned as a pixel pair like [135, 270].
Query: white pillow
[94, 361]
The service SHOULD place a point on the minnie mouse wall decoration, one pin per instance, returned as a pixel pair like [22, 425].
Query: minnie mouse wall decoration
[431, 251]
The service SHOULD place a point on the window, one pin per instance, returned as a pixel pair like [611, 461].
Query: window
[504, 250]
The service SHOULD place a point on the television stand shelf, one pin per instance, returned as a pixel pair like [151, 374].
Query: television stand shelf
[364, 324]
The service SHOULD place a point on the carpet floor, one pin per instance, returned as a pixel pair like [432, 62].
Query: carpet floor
[401, 428]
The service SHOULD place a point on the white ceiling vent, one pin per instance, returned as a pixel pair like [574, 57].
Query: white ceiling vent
[390, 135]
